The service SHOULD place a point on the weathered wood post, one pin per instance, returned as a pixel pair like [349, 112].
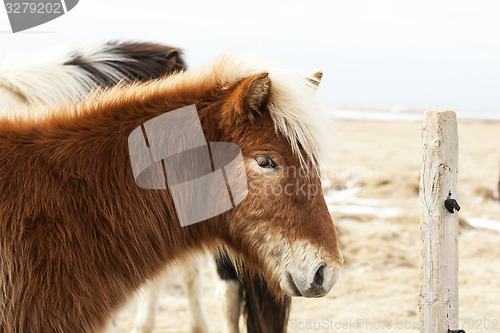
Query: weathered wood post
[438, 301]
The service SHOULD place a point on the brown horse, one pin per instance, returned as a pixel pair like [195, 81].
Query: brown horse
[78, 236]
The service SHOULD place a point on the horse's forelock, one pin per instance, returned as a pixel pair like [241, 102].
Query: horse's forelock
[296, 111]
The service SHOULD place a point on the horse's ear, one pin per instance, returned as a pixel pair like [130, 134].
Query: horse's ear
[316, 78]
[250, 96]
[172, 57]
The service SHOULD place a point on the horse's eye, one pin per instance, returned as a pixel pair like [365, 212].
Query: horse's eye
[266, 162]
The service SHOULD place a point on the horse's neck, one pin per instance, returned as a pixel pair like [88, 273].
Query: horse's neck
[91, 151]
[9, 99]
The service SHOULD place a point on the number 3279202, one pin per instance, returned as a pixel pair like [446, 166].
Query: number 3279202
[33, 8]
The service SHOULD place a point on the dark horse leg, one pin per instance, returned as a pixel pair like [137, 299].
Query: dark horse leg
[263, 313]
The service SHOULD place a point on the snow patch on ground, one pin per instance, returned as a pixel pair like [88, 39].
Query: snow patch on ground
[482, 223]
[346, 201]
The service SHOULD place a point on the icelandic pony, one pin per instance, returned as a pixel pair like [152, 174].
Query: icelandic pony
[78, 236]
[62, 75]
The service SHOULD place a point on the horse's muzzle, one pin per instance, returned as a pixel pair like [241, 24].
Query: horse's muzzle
[315, 283]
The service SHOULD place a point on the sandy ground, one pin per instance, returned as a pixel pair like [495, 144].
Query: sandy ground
[377, 167]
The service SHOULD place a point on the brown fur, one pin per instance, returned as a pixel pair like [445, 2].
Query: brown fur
[77, 236]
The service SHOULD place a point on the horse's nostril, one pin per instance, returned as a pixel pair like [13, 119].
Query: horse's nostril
[319, 276]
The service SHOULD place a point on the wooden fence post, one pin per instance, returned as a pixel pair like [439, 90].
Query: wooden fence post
[438, 301]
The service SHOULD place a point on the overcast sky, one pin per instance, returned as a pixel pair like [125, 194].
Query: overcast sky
[383, 54]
